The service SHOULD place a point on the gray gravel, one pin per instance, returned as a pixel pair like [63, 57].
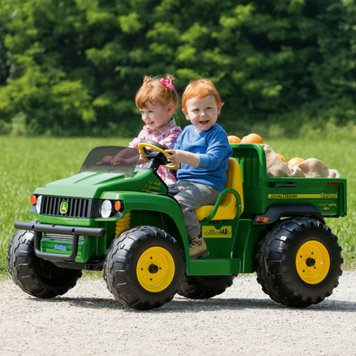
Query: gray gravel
[241, 321]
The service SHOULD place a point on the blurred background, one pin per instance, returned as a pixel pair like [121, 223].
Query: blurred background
[72, 67]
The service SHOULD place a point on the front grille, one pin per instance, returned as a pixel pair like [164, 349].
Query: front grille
[71, 207]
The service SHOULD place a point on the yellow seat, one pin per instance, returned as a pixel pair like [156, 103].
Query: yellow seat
[230, 200]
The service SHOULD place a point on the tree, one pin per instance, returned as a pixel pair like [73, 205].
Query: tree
[72, 67]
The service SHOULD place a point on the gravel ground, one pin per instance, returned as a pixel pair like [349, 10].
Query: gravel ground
[241, 321]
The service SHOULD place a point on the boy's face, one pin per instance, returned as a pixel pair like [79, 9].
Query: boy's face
[157, 115]
[202, 112]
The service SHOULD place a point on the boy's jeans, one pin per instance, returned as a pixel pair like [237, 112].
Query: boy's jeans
[190, 196]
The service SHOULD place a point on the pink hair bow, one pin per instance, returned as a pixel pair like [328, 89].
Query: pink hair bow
[167, 83]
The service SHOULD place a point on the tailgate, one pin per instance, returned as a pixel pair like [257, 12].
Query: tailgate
[326, 194]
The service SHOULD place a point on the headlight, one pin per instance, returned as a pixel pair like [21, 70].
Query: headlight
[38, 204]
[106, 209]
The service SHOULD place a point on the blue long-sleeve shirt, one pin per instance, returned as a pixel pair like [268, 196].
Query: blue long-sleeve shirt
[214, 150]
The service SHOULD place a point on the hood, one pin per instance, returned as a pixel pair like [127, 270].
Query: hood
[93, 184]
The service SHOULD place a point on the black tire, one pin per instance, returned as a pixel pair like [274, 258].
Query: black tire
[262, 275]
[204, 287]
[34, 275]
[299, 262]
[144, 268]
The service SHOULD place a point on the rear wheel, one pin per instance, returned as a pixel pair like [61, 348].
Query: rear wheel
[144, 268]
[204, 287]
[299, 262]
[34, 275]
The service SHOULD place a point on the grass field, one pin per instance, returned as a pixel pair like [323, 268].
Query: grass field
[31, 162]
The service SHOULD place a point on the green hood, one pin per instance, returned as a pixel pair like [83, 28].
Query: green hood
[92, 184]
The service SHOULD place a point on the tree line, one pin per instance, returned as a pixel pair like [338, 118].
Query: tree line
[72, 67]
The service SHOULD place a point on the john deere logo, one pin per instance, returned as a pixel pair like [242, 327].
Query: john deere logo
[63, 207]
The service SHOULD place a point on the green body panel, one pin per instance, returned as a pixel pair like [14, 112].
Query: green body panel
[231, 243]
[142, 197]
[93, 184]
[328, 195]
[230, 253]
[144, 208]
[216, 267]
[89, 247]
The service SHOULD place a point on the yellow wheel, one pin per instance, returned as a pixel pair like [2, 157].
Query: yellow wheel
[155, 269]
[299, 262]
[144, 267]
[312, 262]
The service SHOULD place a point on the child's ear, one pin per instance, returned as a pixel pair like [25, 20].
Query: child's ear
[185, 113]
[170, 108]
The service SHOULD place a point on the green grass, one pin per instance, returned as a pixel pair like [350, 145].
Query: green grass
[31, 162]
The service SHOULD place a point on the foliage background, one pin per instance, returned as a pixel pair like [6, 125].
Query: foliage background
[72, 67]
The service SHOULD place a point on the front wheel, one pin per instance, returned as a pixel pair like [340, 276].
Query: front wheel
[144, 268]
[34, 275]
[299, 262]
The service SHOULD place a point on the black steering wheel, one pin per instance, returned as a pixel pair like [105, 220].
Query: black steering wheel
[145, 147]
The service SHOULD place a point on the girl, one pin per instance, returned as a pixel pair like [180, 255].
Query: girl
[157, 101]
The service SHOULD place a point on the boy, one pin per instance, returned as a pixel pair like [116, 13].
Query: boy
[203, 151]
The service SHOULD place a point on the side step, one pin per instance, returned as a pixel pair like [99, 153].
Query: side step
[214, 267]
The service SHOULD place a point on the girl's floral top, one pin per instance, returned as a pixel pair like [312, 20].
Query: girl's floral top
[167, 136]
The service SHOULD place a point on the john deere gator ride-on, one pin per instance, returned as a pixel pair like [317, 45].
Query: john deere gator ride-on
[122, 220]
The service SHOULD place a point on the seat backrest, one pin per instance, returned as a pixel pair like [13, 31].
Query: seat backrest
[227, 209]
[234, 180]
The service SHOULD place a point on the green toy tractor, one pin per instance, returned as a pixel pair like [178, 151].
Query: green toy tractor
[123, 220]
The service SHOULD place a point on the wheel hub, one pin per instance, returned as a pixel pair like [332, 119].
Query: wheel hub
[155, 269]
[312, 262]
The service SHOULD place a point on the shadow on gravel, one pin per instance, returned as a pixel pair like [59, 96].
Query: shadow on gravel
[92, 303]
[217, 304]
[335, 305]
[180, 304]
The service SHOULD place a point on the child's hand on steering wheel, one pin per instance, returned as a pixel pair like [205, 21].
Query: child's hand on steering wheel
[106, 160]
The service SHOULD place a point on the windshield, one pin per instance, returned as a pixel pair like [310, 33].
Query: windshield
[113, 159]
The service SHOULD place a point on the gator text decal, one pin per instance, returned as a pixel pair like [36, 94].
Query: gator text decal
[212, 232]
[304, 196]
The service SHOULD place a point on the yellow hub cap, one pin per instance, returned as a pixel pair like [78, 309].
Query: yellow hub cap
[155, 269]
[312, 262]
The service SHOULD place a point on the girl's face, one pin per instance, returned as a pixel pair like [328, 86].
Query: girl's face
[156, 115]
[202, 112]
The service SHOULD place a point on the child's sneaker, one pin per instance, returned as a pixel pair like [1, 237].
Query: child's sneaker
[197, 248]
